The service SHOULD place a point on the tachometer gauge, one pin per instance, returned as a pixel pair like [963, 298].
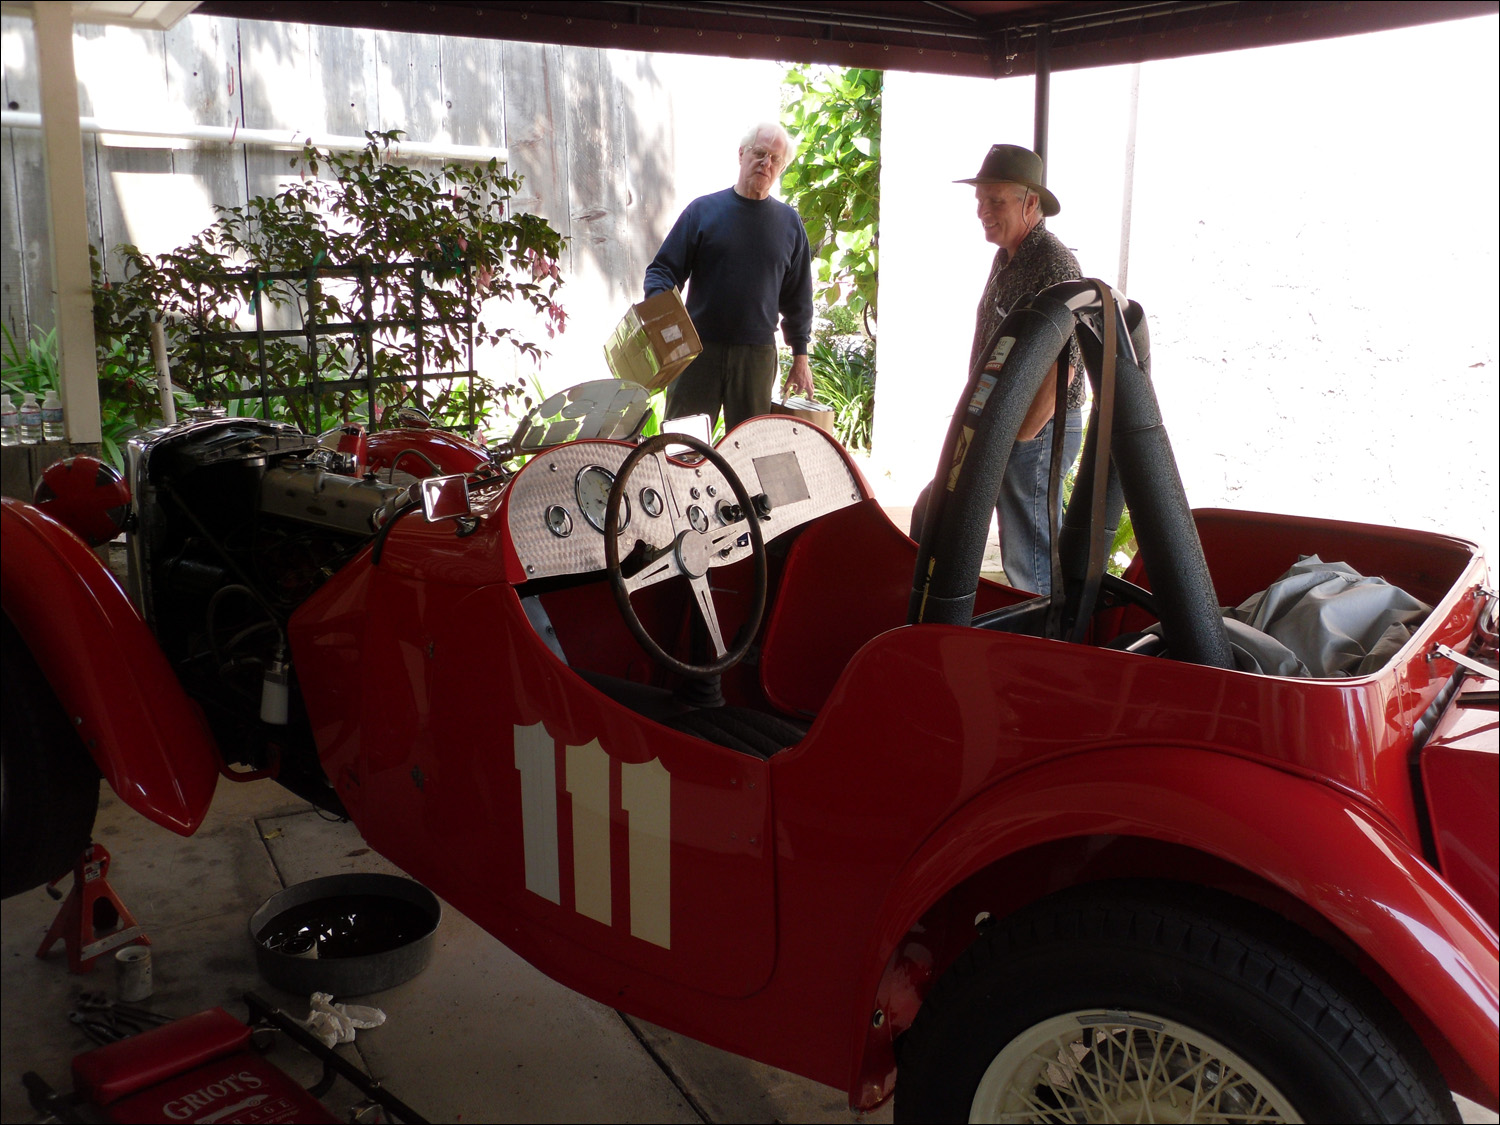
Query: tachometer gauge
[559, 522]
[651, 502]
[698, 518]
[591, 487]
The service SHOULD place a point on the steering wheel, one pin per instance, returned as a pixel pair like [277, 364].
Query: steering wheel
[690, 555]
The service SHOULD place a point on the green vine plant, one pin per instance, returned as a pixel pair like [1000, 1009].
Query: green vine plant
[834, 182]
[365, 272]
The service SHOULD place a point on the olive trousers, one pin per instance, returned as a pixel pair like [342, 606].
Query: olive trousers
[737, 378]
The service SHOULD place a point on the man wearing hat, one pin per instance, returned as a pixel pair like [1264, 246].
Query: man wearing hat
[1012, 206]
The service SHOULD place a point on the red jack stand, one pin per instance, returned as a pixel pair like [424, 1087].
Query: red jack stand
[92, 920]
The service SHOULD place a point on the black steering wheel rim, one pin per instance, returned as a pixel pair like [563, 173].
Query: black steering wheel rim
[735, 652]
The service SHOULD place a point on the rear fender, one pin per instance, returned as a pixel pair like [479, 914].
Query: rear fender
[147, 737]
[1308, 840]
[1462, 786]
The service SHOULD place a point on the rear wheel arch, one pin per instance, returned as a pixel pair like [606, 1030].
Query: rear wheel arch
[952, 924]
[1319, 1036]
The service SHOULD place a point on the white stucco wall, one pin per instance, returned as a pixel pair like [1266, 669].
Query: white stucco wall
[1313, 239]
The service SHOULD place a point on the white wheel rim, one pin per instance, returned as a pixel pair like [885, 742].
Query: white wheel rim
[1123, 1066]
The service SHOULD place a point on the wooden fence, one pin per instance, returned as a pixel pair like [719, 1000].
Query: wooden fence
[588, 129]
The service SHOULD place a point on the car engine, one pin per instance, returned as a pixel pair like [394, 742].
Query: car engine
[235, 522]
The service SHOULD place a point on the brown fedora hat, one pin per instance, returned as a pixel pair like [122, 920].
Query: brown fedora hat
[1012, 164]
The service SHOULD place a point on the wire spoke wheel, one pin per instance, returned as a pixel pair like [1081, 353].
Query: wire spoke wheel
[1135, 1000]
[1123, 1067]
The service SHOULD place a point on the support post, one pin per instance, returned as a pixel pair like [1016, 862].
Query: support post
[1043, 93]
[1127, 197]
[67, 221]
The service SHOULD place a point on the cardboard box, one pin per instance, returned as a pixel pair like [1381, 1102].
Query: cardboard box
[808, 410]
[653, 342]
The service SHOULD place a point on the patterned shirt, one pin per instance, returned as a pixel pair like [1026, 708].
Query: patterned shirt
[1041, 260]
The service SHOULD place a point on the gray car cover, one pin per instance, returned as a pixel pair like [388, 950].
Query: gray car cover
[1322, 619]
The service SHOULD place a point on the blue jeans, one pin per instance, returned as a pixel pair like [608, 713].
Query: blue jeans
[1025, 531]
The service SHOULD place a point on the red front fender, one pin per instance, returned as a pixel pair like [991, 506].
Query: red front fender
[1305, 838]
[149, 740]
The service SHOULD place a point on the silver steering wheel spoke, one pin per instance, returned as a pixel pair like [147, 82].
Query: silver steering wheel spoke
[662, 566]
[705, 599]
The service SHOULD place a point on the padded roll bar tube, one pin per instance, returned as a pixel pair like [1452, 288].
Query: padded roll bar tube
[1152, 487]
[967, 482]
[978, 446]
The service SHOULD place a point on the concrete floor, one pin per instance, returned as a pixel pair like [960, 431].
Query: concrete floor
[478, 1036]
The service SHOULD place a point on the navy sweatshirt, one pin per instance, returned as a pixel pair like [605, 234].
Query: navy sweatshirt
[743, 261]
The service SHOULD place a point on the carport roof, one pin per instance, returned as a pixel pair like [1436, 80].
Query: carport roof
[970, 37]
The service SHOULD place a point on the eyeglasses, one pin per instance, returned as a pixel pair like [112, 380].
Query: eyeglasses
[777, 160]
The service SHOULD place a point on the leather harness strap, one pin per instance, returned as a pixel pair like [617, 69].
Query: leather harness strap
[1103, 424]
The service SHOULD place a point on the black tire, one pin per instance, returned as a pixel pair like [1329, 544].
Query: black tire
[49, 786]
[1082, 996]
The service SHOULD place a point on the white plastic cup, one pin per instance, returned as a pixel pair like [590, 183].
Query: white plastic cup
[133, 973]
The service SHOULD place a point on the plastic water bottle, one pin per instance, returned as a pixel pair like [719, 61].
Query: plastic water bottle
[52, 418]
[10, 422]
[31, 420]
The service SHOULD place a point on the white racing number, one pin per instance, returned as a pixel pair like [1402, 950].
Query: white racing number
[645, 797]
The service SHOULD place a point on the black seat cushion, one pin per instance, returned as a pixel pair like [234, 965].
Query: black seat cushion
[739, 728]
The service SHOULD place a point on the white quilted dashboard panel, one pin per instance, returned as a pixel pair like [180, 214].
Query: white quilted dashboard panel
[796, 465]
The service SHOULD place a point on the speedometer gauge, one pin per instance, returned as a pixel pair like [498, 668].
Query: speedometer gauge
[591, 488]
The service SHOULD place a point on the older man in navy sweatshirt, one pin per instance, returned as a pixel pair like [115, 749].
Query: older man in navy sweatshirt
[744, 260]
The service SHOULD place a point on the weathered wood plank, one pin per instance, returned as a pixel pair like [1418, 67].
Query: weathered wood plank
[18, 87]
[473, 92]
[596, 173]
[27, 276]
[35, 241]
[534, 99]
[651, 160]
[202, 57]
[344, 62]
[12, 263]
[279, 90]
[409, 81]
[123, 74]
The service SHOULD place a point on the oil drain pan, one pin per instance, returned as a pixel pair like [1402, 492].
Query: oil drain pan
[346, 935]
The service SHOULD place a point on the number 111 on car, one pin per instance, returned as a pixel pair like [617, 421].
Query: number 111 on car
[646, 799]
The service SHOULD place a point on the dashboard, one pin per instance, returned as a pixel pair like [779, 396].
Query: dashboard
[555, 505]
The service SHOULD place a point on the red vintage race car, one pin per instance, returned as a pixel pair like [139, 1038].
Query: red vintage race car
[699, 733]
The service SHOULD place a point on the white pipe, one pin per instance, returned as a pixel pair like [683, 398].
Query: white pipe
[163, 373]
[264, 138]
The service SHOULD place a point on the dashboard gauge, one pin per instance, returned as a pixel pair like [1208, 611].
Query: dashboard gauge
[591, 488]
[559, 522]
[698, 518]
[651, 502]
